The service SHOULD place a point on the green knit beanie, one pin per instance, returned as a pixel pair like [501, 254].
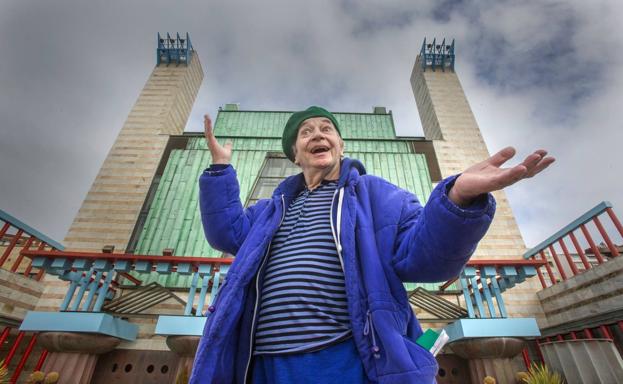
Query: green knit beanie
[292, 127]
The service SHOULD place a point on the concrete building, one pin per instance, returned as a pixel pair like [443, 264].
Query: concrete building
[123, 298]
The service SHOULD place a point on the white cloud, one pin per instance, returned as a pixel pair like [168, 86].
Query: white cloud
[537, 74]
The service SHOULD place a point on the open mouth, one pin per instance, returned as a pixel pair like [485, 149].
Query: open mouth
[319, 149]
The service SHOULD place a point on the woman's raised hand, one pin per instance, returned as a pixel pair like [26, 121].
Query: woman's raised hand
[489, 176]
[221, 154]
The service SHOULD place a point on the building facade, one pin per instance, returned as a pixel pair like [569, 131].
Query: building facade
[123, 298]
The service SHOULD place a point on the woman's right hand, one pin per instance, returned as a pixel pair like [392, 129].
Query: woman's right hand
[220, 154]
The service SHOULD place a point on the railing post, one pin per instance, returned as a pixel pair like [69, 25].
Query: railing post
[613, 249]
[191, 295]
[84, 283]
[5, 228]
[16, 343]
[606, 332]
[10, 247]
[216, 281]
[202, 294]
[561, 270]
[580, 251]
[467, 297]
[487, 293]
[70, 291]
[615, 220]
[498, 297]
[18, 261]
[540, 274]
[548, 268]
[22, 361]
[477, 297]
[538, 350]
[101, 294]
[574, 269]
[526, 357]
[588, 237]
[92, 287]
[5, 334]
[41, 360]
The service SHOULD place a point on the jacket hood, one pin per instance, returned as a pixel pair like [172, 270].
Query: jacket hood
[350, 169]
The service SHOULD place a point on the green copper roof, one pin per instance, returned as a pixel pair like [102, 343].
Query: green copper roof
[274, 145]
[173, 220]
[271, 124]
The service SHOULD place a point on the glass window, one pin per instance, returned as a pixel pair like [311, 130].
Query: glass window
[275, 169]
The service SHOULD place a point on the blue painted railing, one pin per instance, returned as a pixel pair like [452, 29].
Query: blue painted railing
[94, 277]
[590, 250]
[482, 283]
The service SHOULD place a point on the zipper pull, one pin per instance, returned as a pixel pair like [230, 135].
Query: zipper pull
[368, 329]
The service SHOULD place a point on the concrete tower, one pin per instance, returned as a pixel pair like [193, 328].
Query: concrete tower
[447, 119]
[110, 210]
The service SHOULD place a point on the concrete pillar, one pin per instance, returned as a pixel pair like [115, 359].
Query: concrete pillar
[185, 347]
[490, 357]
[74, 355]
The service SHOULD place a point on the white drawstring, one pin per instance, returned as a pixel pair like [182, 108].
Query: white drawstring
[368, 329]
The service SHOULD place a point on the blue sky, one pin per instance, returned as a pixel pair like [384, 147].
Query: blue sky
[538, 74]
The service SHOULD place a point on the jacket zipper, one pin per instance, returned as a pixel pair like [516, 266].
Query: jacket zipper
[257, 293]
[368, 329]
[336, 228]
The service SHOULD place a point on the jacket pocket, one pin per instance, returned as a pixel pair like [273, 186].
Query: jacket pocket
[398, 355]
[424, 360]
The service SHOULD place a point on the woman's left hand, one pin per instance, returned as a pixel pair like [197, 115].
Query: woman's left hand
[488, 176]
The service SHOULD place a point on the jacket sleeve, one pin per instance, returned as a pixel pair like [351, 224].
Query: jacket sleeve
[435, 241]
[225, 222]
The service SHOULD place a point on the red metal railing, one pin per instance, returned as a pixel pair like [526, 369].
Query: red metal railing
[598, 249]
[15, 236]
[19, 368]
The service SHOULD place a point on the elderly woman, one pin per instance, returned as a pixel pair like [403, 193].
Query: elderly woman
[315, 294]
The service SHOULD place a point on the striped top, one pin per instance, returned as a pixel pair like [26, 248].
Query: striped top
[303, 303]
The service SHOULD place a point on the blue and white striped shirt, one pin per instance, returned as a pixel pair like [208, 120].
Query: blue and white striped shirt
[303, 304]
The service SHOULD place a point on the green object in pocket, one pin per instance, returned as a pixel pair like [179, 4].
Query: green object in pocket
[432, 341]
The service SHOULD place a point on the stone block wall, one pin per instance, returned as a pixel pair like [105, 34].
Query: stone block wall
[591, 294]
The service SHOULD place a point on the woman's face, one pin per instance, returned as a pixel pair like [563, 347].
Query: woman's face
[318, 145]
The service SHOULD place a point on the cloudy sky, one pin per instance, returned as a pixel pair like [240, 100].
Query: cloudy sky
[538, 74]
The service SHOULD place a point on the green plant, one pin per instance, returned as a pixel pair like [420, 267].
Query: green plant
[4, 372]
[35, 377]
[520, 377]
[51, 378]
[489, 380]
[182, 377]
[540, 374]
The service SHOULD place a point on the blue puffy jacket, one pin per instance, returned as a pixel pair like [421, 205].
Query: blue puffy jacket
[384, 237]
